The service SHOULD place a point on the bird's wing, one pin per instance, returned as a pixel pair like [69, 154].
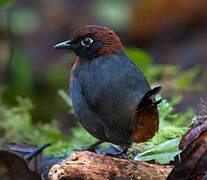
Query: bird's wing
[117, 86]
[84, 113]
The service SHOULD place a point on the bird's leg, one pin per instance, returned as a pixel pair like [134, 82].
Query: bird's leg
[91, 147]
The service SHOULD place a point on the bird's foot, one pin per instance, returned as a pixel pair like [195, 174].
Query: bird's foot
[113, 151]
[120, 153]
[84, 148]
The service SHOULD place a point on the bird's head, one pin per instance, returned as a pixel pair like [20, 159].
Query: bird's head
[92, 41]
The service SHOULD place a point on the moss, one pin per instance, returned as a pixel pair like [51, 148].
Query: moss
[17, 125]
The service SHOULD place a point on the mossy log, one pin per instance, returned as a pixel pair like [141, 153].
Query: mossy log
[87, 165]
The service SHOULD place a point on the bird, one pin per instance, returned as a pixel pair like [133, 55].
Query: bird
[111, 97]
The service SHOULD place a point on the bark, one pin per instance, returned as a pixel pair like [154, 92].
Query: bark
[87, 165]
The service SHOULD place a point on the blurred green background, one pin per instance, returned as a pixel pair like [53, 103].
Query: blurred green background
[167, 39]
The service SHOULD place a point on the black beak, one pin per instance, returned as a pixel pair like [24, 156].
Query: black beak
[64, 45]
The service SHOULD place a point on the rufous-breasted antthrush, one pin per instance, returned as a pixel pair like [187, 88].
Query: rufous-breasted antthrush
[111, 97]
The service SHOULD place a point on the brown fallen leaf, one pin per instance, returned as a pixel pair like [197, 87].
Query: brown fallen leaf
[191, 163]
[14, 167]
[20, 162]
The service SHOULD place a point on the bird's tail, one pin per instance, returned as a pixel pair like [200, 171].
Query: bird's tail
[146, 116]
[148, 101]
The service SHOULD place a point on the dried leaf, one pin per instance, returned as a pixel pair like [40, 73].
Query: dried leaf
[14, 167]
[21, 162]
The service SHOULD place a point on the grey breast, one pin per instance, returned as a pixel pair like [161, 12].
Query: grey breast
[112, 86]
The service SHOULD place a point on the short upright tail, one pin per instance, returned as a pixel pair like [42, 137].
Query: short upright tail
[146, 116]
[149, 99]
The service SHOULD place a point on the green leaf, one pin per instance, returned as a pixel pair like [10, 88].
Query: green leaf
[163, 153]
[139, 57]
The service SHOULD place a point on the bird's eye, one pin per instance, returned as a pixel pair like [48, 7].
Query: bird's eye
[87, 42]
